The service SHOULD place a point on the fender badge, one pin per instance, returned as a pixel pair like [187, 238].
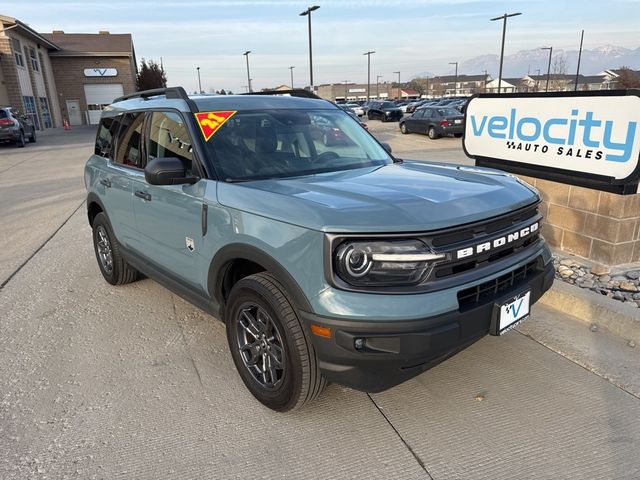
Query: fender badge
[191, 245]
[210, 122]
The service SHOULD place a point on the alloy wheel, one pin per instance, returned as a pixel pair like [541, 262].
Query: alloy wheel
[104, 249]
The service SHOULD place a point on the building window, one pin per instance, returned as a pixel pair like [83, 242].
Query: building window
[17, 52]
[30, 110]
[34, 59]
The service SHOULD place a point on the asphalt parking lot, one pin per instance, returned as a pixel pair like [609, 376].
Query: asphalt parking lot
[132, 382]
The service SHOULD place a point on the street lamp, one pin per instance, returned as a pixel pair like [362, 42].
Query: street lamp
[378, 77]
[455, 83]
[504, 31]
[345, 89]
[546, 89]
[368, 54]
[246, 54]
[199, 84]
[399, 91]
[291, 68]
[307, 13]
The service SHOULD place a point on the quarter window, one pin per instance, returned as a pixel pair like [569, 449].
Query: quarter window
[169, 137]
[129, 142]
[17, 52]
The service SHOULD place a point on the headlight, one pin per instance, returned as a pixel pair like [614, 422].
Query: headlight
[383, 263]
[387, 113]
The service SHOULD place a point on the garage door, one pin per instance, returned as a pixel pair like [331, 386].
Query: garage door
[99, 96]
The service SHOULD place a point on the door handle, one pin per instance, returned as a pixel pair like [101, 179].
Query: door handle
[144, 195]
[106, 182]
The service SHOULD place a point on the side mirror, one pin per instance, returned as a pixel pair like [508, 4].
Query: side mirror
[386, 146]
[167, 171]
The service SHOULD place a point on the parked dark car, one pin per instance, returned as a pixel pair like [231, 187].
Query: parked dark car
[15, 127]
[434, 121]
[385, 111]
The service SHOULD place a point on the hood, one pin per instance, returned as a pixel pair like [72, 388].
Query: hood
[404, 197]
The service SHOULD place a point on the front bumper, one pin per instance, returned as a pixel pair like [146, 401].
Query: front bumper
[395, 351]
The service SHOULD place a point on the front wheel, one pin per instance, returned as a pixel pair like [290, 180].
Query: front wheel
[113, 267]
[369, 116]
[269, 346]
[32, 138]
[403, 128]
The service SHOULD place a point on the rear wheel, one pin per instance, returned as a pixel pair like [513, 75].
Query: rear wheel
[271, 352]
[20, 143]
[433, 135]
[32, 138]
[113, 267]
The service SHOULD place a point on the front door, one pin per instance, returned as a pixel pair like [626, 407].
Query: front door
[169, 217]
[73, 110]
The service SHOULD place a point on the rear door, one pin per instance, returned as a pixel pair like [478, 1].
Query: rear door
[169, 217]
[413, 122]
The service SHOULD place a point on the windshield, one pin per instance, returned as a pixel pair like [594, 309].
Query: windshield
[256, 145]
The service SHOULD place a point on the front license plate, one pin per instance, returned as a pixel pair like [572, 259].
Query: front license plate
[509, 314]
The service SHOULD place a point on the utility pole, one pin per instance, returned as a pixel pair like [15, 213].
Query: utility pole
[486, 75]
[504, 32]
[549, 67]
[368, 54]
[291, 68]
[307, 13]
[399, 90]
[579, 57]
[246, 54]
[378, 77]
[345, 89]
[455, 83]
[199, 84]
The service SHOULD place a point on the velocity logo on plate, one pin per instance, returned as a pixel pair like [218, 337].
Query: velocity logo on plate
[598, 135]
[210, 122]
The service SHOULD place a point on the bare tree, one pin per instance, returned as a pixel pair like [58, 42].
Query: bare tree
[628, 78]
[420, 85]
[558, 79]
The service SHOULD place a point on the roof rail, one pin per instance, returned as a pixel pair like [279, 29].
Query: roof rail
[168, 92]
[296, 92]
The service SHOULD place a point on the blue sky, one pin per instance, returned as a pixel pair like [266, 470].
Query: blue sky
[408, 35]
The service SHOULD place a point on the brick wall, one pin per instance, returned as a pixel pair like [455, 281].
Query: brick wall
[70, 79]
[601, 226]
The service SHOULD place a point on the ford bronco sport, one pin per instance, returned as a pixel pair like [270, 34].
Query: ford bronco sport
[327, 263]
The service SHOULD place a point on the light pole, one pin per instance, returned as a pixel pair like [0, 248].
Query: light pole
[486, 76]
[291, 68]
[246, 54]
[546, 89]
[575, 89]
[307, 13]
[378, 77]
[368, 54]
[199, 84]
[345, 89]
[455, 83]
[504, 31]
[399, 91]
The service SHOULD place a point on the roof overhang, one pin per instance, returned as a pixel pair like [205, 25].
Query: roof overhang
[26, 31]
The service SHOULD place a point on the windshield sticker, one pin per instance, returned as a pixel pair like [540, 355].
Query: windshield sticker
[210, 122]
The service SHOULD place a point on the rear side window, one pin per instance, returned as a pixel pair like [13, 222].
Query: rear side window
[3, 114]
[169, 137]
[129, 141]
[106, 135]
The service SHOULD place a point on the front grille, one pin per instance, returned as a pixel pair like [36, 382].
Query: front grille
[490, 290]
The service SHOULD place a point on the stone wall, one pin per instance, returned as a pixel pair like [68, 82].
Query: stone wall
[600, 226]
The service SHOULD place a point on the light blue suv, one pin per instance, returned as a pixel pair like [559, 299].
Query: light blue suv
[327, 261]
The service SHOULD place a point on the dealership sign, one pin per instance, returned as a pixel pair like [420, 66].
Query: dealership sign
[100, 72]
[590, 139]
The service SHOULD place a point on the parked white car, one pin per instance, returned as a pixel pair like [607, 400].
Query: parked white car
[356, 108]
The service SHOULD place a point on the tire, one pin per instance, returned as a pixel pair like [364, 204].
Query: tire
[457, 135]
[369, 116]
[433, 135]
[113, 267]
[32, 138]
[403, 128]
[20, 143]
[258, 309]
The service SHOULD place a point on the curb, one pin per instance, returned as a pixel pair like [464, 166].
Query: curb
[590, 307]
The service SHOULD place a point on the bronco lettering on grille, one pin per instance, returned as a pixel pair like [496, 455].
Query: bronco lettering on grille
[497, 242]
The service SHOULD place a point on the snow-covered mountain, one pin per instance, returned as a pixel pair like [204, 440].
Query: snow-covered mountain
[529, 61]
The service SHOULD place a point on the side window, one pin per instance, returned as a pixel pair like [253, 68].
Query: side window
[105, 140]
[419, 114]
[169, 137]
[17, 51]
[34, 59]
[129, 141]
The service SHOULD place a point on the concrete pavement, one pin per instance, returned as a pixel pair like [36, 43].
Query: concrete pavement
[132, 382]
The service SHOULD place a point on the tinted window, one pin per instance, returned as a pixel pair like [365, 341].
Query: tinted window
[448, 112]
[388, 105]
[106, 131]
[129, 141]
[3, 114]
[169, 137]
[418, 114]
